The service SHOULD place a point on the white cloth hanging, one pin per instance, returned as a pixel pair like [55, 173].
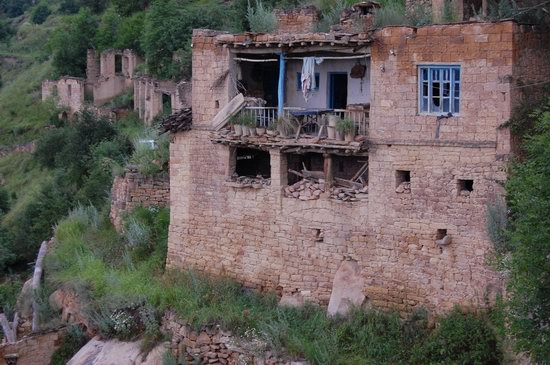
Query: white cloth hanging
[308, 75]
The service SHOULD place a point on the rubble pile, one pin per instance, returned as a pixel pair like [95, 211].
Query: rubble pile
[257, 182]
[306, 189]
[349, 195]
[404, 188]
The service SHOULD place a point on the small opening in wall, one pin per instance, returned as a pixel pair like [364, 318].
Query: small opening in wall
[118, 64]
[253, 163]
[465, 187]
[217, 104]
[402, 181]
[69, 90]
[166, 104]
[297, 162]
[441, 233]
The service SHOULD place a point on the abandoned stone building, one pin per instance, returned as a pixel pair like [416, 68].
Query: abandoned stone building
[400, 206]
[153, 97]
[68, 93]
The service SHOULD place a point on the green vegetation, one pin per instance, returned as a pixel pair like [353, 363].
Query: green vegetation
[527, 258]
[40, 13]
[261, 20]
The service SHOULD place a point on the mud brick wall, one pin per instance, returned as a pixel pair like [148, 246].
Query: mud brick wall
[33, 350]
[133, 190]
[266, 240]
[301, 20]
[67, 91]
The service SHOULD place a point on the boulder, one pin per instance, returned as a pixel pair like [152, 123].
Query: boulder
[347, 289]
[114, 352]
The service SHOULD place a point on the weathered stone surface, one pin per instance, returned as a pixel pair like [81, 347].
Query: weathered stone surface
[347, 289]
[114, 352]
[33, 350]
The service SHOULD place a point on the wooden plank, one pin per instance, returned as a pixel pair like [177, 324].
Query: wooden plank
[229, 110]
[328, 173]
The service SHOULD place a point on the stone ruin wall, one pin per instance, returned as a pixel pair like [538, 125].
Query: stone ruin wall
[67, 91]
[268, 241]
[148, 94]
[300, 20]
[32, 350]
[132, 190]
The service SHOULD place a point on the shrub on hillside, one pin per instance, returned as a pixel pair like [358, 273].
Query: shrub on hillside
[392, 13]
[129, 32]
[107, 30]
[261, 19]
[127, 7]
[69, 7]
[14, 8]
[529, 234]
[459, 339]
[5, 31]
[73, 342]
[40, 13]
[70, 42]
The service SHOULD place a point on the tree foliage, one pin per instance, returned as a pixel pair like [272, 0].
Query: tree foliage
[14, 8]
[70, 42]
[127, 7]
[108, 29]
[40, 13]
[529, 262]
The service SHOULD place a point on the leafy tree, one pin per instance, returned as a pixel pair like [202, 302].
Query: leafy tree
[69, 7]
[96, 6]
[40, 13]
[108, 29]
[168, 28]
[14, 8]
[127, 7]
[5, 30]
[129, 33]
[529, 263]
[70, 42]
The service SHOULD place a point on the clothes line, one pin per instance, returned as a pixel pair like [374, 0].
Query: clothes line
[301, 58]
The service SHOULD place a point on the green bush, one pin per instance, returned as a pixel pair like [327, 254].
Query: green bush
[14, 8]
[129, 33]
[69, 7]
[529, 237]
[107, 30]
[151, 160]
[73, 342]
[127, 7]
[393, 13]
[9, 292]
[70, 42]
[40, 13]
[459, 339]
[261, 19]
[5, 32]
[330, 14]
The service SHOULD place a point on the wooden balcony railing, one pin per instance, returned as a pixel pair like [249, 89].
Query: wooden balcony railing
[267, 115]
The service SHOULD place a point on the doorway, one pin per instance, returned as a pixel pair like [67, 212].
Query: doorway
[338, 90]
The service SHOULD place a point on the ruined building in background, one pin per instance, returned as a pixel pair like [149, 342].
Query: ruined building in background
[113, 73]
[399, 209]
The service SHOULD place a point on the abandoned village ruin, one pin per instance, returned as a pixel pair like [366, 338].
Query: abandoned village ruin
[393, 214]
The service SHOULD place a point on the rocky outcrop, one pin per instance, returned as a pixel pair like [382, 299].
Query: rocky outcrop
[99, 352]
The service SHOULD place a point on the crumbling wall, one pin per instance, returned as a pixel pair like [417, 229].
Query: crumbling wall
[298, 20]
[32, 350]
[67, 91]
[112, 82]
[133, 190]
[148, 94]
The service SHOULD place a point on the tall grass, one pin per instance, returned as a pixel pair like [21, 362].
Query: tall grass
[260, 18]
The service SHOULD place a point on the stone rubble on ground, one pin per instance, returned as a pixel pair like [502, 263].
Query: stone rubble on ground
[311, 189]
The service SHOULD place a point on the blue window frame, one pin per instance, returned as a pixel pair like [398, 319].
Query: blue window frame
[439, 89]
[299, 81]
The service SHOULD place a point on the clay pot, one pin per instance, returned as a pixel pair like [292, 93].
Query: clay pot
[238, 129]
[331, 129]
[246, 130]
[260, 131]
[350, 136]
[339, 136]
[252, 131]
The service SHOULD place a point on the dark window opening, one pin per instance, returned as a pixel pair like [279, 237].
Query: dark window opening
[298, 162]
[252, 163]
[351, 168]
[465, 187]
[338, 90]
[166, 104]
[118, 64]
[260, 80]
[69, 90]
[402, 176]
[441, 233]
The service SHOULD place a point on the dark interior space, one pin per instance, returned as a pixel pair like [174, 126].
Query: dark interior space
[166, 103]
[347, 167]
[338, 90]
[118, 64]
[296, 162]
[251, 162]
[260, 80]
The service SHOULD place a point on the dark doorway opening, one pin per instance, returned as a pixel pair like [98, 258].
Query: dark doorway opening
[166, 104]
[338, 90]
[252, 163]
[260, 80]
[118, 64]
[297, 162]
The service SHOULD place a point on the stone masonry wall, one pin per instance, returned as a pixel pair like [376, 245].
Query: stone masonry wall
[266, 240]
[134, 189]
[300, 20]
[67, 91]
[33, 350]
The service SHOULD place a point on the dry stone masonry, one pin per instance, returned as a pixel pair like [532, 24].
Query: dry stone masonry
[133, 189]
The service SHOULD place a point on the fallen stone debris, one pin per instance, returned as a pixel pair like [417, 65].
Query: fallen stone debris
[257, 182]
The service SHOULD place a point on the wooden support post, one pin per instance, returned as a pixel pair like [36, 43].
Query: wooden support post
[329, 175]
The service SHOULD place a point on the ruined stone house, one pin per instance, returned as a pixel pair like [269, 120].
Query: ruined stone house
[405, 199]
[153, 97]
[68, 93]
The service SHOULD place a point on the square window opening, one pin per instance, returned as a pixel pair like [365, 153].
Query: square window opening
[440, 234]
[465, 187]
[402, 176]
[253, 163]
[351, 168]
